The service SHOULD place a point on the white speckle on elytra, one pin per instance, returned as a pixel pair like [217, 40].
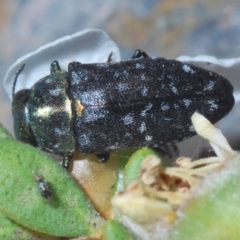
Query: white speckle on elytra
[164, 106]
[213, 105]
[142, 77]
[210, 86]
[167, 119]
[187, 102]
[187, 68]
[140, 66]
[174, 89]
[128, 119]
[176, 106]
[126, 73]
[128, 134]
[144, 91]
[92, 116]
[148, 138]
[122, 86]
[94, 97]
[116, 74]
[148, 107]
[84, 139]
[75, 78]
[143, 127]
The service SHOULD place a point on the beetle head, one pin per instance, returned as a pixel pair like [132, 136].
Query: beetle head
[22, 126]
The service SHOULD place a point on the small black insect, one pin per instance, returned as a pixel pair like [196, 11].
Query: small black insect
[103, 107]
[43, 186]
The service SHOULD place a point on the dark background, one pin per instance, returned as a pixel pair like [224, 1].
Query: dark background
[166, 28]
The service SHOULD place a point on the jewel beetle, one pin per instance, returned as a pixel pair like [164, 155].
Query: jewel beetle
[103, 107]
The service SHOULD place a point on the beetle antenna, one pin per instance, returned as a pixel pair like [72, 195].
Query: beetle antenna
[55, 67]
[15, 79]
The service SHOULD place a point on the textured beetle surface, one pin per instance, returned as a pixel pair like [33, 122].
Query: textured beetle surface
[97, 108]
[142, 102]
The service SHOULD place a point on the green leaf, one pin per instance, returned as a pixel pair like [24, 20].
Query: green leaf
[4, 134]
[10, 230]
[122, 157]
[67, 213]
[214, 215]
[115, 230]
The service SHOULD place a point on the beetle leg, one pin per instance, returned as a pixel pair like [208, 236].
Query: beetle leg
[170, 150]
[139, 53]
[110, 57]
[102, 157]
[66, 160]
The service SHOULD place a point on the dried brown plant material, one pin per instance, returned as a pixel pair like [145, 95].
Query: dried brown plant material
[160, 192]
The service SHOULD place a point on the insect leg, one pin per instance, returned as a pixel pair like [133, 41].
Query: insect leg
[171, 151]
[139, 53]
[66, 160]
[102, 157]
[110, 57]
